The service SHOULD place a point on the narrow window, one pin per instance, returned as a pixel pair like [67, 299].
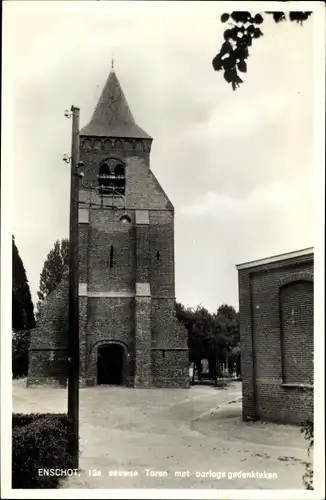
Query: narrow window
[111, 256]
[157, 255]
[163, 354]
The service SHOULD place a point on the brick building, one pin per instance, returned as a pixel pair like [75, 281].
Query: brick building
[129, 333]
[277, 337]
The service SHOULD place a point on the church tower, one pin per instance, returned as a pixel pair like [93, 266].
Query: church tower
[128, 329]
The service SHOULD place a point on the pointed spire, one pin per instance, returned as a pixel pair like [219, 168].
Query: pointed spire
[112, 116]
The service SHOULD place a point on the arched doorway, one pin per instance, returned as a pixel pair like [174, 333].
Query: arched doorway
[110, 364]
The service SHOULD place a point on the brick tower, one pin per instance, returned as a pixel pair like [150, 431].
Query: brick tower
[129, 333]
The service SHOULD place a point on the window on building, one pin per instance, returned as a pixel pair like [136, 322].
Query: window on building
[112, 177]
[120, 179]
[157, 255]
[111, 255]
[104, 179]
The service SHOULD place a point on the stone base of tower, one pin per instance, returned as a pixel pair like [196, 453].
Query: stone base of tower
[170, 368]
[142, 378]
[47, 367]
[48, 350]
[86, 382]
[46, 381]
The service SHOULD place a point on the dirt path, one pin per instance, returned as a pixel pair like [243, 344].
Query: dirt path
[170, 438]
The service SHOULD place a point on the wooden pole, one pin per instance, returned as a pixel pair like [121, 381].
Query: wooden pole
[73, 375]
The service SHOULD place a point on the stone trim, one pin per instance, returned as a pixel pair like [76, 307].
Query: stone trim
[269, 381]
[103, 143]
[83, 216]
[83, 292]
[142, 217]
[184, 349]
[46, 381]
[111, 294]
[150, 209]
[276, 258]
[171, 297]
[143, 290]
[82, 289]
[93, 356]
[102, 342]
[44, 349]
[298, 386]
[128, 207]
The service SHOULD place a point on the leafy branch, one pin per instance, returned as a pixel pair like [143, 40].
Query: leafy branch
[245, 27]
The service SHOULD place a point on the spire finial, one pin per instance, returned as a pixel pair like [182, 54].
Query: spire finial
[112, 63]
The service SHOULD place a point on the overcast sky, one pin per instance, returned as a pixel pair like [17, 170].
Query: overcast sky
[238, 166]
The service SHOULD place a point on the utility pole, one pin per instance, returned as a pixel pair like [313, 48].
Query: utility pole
[73, 365]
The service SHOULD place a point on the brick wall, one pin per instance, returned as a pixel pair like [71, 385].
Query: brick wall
[162, 264]
[170, 355]
[137, 173]
[143, 257]
[48, 353]
[170, 368]
[142, 305]
[129, 299]
[84, 339]
[143, 342]
[106, 230]
[109, 319]
[296, 304]
[267, 294]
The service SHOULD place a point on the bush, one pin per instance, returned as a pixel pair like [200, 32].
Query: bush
[39, 441]
[308, 430]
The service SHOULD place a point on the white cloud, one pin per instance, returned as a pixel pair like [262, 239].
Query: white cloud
[239, 117]
[276, 194]
[242, 160]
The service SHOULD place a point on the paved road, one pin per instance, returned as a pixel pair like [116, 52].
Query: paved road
[196, 433]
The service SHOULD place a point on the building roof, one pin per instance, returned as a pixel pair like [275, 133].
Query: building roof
[276, 258]
[112, 116]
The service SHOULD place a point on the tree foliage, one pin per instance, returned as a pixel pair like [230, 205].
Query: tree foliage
[22, 315]
[210, 336]
[245, 27]
[56, 262]
[20, 346]
[22, 305]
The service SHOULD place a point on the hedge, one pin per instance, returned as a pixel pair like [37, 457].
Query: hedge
[39, 441]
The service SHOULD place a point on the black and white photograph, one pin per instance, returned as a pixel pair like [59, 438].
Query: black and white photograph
[162, 234]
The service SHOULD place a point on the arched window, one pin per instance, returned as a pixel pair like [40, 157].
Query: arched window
[112, 177]
[120, 180]
[104, 178]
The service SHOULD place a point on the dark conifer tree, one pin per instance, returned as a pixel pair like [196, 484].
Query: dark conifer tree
[22, 315]
[22, 305]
